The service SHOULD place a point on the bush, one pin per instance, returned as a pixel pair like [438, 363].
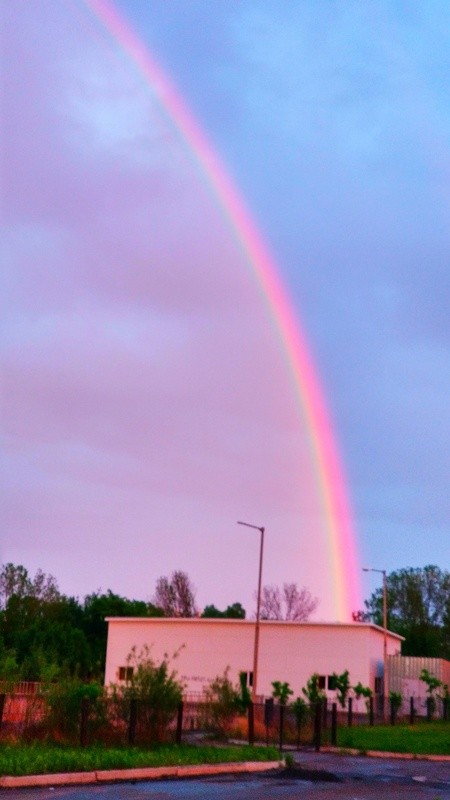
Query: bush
[63, 702]
[223, 702]
[281, 692]
[342, 686]
[157, 692]
[432, 684]
[395, 701]
[363, 691]
[312, 691]
[300, 711]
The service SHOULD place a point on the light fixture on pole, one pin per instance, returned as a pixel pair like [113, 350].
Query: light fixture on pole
[258, 606]
[385, 681]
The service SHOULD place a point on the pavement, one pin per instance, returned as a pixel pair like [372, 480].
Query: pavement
[421, 769]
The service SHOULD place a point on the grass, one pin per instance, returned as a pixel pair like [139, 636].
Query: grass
[425, 738]
[39, 758]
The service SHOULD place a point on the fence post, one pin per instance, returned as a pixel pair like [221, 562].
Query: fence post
[393, 710]
[132, 721]
[325, 713]
[412, 711]
[445, 708]
[268, 716]
[281, 722]
[179, 732]
[317, 726]
[2, 707]
[334, 724]
[251, 723]
[371, 719]
[84, 715]
[350, 712]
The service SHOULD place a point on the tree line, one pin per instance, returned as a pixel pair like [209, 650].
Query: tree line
[418, 608]
[46, 635]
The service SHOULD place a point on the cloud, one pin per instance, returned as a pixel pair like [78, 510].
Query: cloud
[145, 392]
[335, 118]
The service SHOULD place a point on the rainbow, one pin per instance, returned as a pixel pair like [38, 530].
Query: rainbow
[327, 465]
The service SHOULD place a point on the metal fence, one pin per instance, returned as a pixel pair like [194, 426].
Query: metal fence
[114, 720]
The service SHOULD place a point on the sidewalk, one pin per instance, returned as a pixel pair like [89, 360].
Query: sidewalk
[194, 770]
[351, 751]
[136, 774]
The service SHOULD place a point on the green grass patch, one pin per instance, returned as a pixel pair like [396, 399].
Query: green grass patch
[425, 738]
[38, 759]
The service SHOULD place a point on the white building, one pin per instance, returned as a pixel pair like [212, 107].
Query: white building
[288, 651]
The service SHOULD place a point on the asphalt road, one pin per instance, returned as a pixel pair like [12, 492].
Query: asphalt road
[324, 777]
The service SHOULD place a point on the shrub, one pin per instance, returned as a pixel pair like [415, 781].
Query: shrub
[342, 686]
[300, 711]
[363, 691]
[222, 702]
[281, 692]
[63, 707]
[395, 700]
[245, 697]
[311, 691]
[289, 761]
[432, 684]
[157, 692]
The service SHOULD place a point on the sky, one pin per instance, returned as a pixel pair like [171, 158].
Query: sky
[147, 400]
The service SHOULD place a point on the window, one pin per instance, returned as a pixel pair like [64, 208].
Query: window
[248, 678]
[125, 673]
[331, 682]
[378, 685]
[321, 682]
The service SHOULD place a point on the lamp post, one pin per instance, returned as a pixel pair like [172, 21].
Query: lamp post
[385, 683]
[258, 606]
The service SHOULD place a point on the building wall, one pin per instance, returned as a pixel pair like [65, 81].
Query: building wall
[404, 677]
[289, 652]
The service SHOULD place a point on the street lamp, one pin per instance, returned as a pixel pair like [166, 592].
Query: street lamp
[385, 684]
[258, 606]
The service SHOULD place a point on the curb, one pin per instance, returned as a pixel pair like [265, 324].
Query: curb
[135, 774]
[352, 751]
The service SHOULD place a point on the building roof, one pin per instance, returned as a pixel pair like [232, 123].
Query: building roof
[252, 622]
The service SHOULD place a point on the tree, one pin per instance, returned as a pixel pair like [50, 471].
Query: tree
[363, 691]
[342, 686]
[235, 611]
[432, 684]
[418, 604]
[176, 595]
[44, 634]
[16, 582]
[96, 608]
[14, 579]
[300, 711]
[40, 629]
[157, 690]
[222, 702]
[281, 692]
[288, 603]
[45, 587]
[245, 697]
[312, 691]
[45, 637]
[395, 701]
[360, 616]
